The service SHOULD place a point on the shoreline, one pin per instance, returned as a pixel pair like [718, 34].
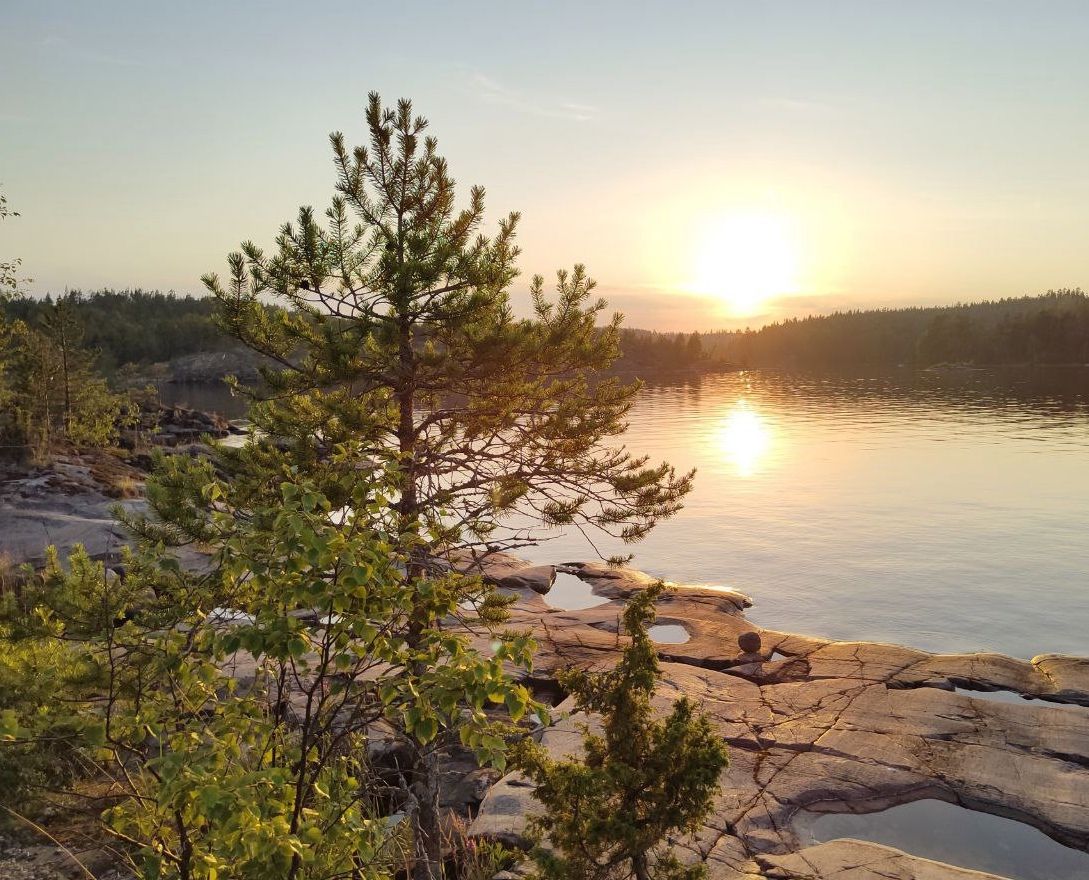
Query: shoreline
[821, 726]
[815, 725]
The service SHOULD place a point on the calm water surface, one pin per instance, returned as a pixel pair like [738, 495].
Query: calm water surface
[966, 838]
[945, 511]
[949, 511]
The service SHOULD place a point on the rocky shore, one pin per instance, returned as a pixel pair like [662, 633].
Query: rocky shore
[814, 726]
[68, 500]
[818, 726]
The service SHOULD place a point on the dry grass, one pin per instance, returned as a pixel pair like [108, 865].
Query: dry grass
[118, 478]
[12, 575]
[475, 858]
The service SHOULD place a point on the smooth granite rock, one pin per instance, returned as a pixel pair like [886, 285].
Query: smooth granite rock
[64, 504]
[829, 726]
[857, 860]
[507, 572]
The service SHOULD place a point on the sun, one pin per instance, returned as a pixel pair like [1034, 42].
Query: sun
[746, 259]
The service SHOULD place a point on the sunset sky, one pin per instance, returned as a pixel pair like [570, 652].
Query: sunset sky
[713, 164]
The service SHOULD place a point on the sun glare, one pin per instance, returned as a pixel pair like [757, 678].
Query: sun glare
[745, 259]
[744, 438]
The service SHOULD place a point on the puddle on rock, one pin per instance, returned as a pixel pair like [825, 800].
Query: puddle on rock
[669, 634]
[998, 697]
[1012, 698]
[958, 836]
[571, 593]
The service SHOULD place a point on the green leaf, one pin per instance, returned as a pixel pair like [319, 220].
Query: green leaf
[516, 705]
[426, 729]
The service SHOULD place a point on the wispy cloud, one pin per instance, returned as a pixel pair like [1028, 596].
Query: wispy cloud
[657, 308]
[815, 303]
[494, 92]
[662, 308]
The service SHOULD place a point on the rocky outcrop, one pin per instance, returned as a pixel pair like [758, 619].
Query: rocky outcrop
[212, 367]
[67, 502]
[821, 726]
[509, 573]
[71, 500]
[21, 860]
[176, 426]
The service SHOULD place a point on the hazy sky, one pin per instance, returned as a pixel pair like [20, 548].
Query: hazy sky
[710, 162]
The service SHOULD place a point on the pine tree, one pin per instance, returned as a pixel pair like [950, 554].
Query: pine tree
[695, 348]
[642, 778]
[65, 331]
[398, 340]
[57, 394]
[679, 357]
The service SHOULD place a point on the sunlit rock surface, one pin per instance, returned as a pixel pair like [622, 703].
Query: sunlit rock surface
[857, 860]
[828, 727]
[68, 502]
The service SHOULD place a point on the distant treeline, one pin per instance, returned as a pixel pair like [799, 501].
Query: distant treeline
[650, 351]
[147, 327]
[144, 327]
[134, 326]
[1052, 328]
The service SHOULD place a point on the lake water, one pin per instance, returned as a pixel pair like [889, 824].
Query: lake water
[966, 838]
[948, 511]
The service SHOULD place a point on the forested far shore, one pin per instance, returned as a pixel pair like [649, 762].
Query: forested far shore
[133, 326]
[1051, 328]
[139, 328]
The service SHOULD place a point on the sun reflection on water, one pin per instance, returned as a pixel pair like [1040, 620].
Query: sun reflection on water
[744, 438]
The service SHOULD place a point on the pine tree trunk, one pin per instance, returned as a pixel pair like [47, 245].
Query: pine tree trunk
[67, 388]
[642, 868]
[427, 828]
[408, 504]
